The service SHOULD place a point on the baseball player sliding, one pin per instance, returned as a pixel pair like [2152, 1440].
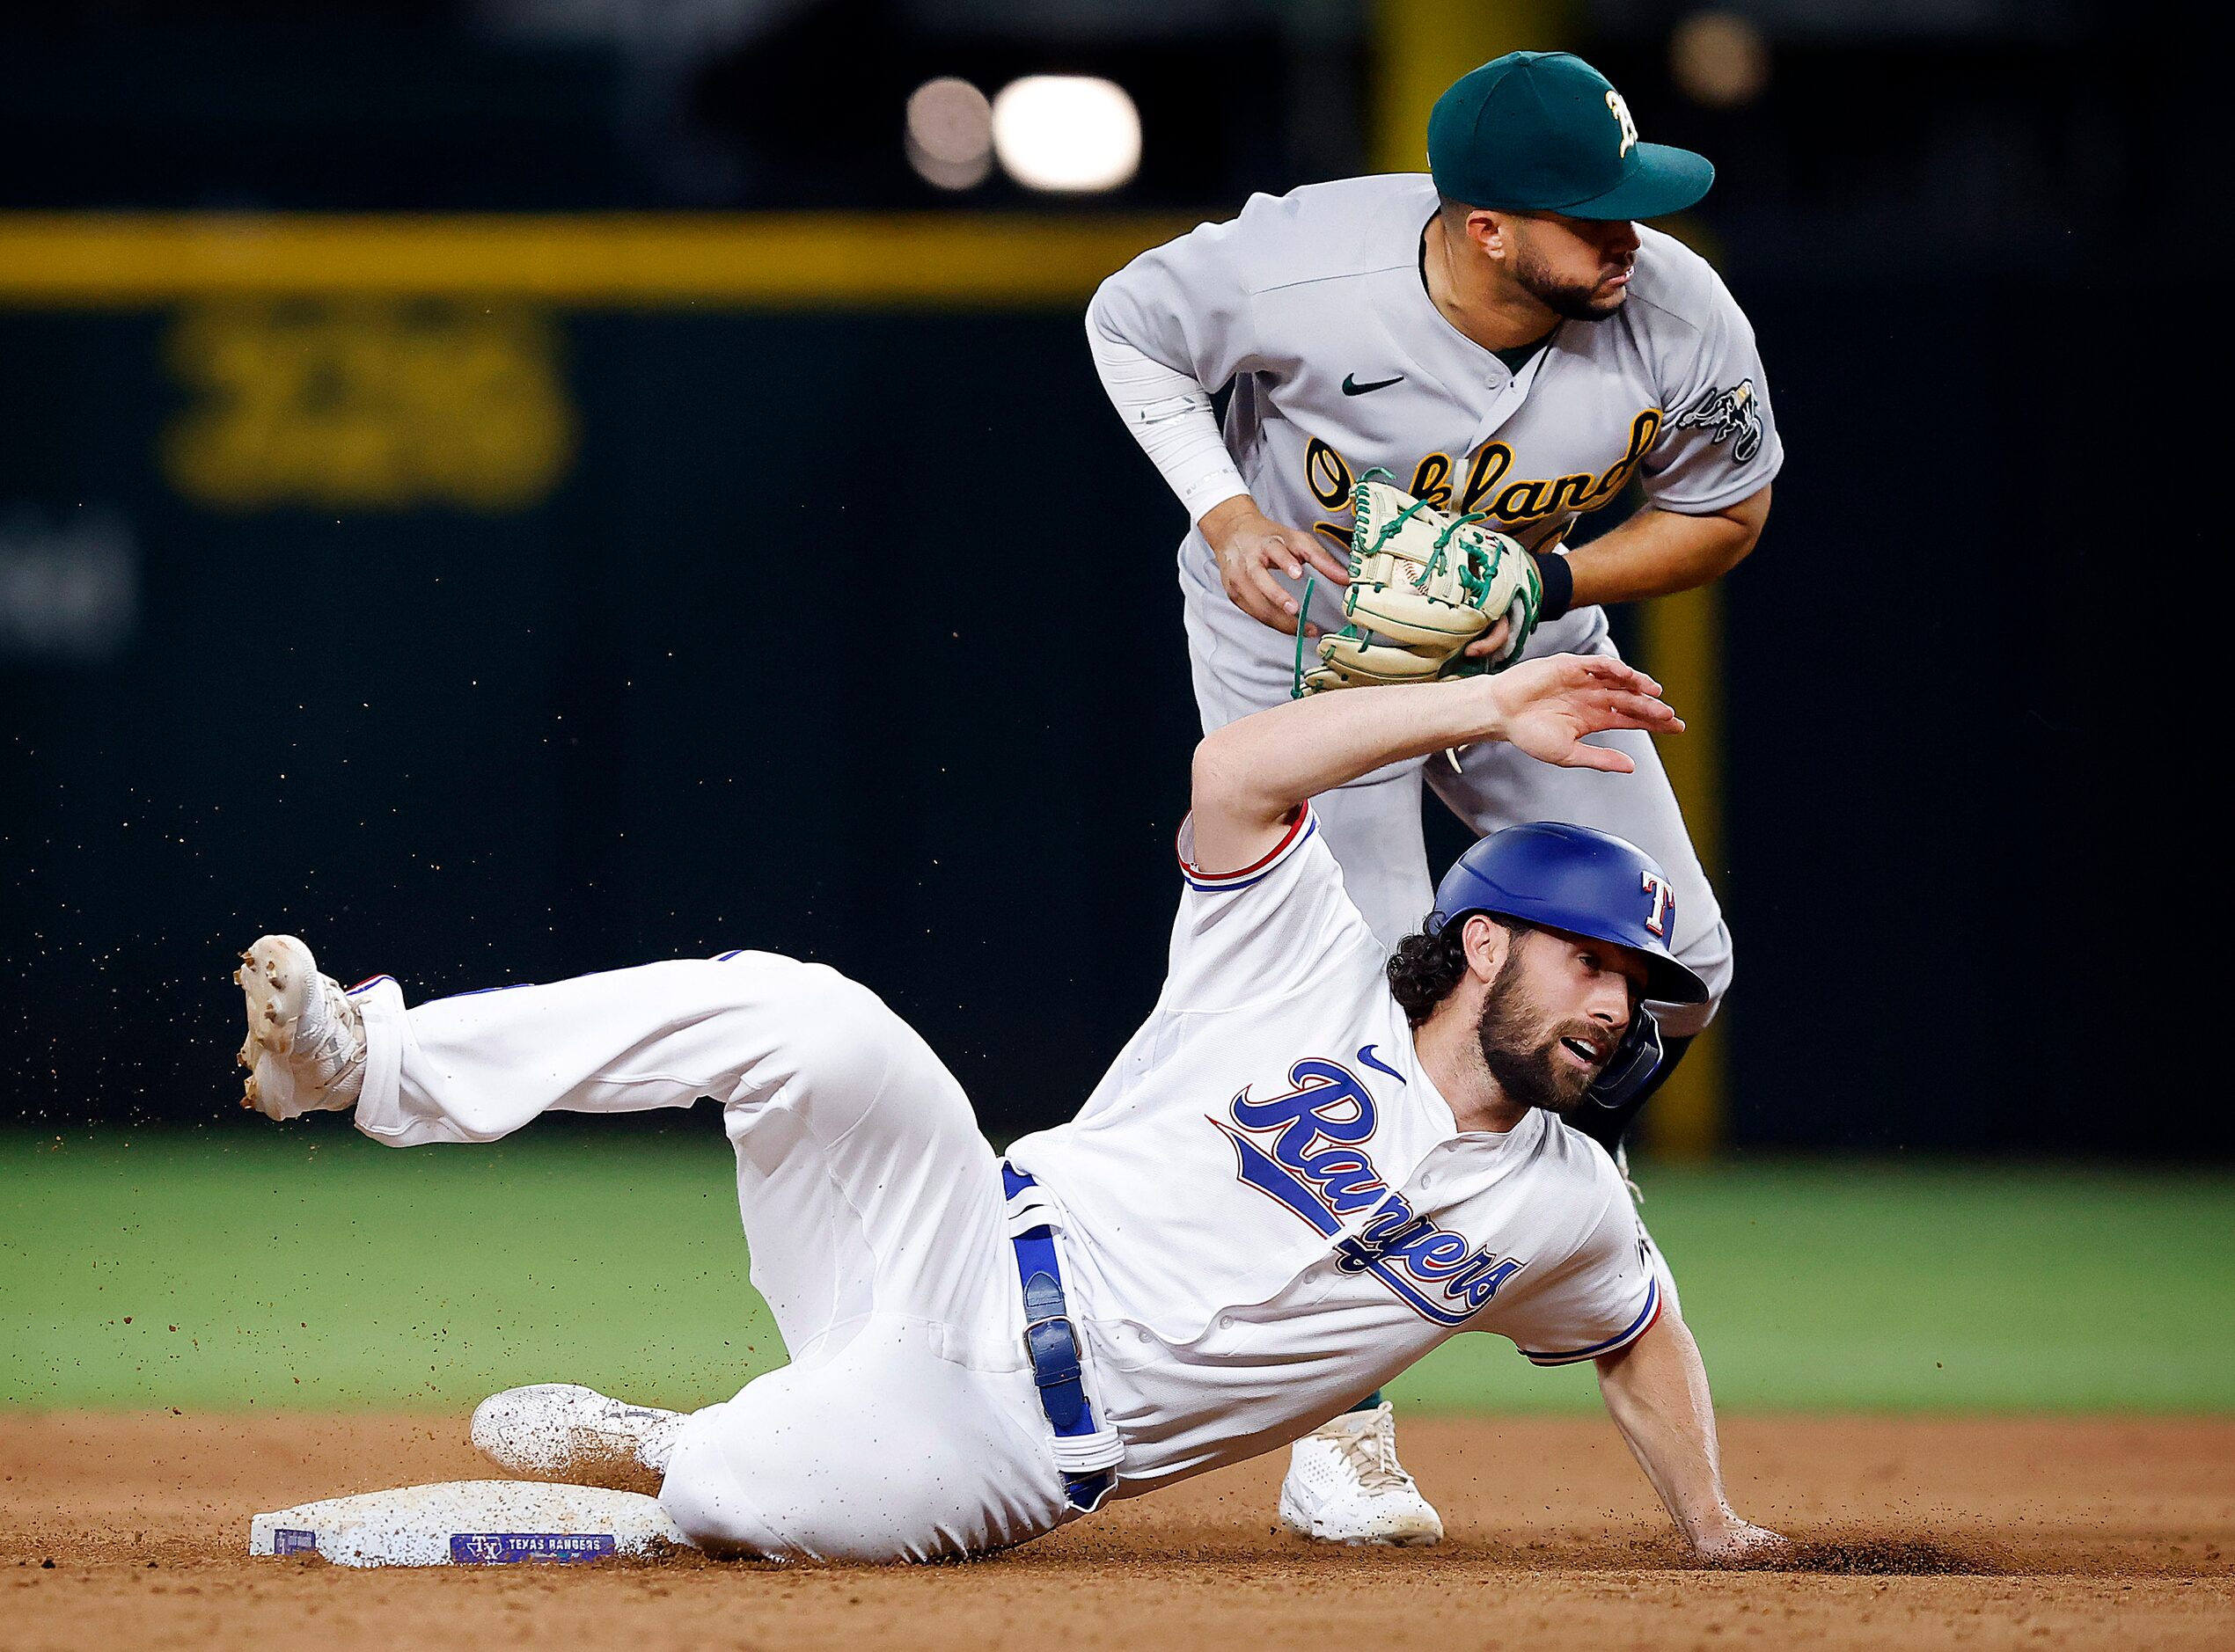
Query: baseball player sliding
[1497, 337]
[1312, 1164]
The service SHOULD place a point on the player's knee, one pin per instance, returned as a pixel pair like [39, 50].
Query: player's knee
[703, 1497]
[773, 980]
[832, 1028]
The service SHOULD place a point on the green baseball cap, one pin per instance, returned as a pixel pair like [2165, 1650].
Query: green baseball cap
[1545, 132]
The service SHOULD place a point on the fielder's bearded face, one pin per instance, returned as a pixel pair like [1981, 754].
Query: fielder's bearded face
[1576, 267]
[1556, 1009]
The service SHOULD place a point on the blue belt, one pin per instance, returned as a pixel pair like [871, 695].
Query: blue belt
[1053, 1344]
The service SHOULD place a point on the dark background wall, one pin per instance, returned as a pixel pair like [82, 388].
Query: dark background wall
[853, 635]
[782, 662]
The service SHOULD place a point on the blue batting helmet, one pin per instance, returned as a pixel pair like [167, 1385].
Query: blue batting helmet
[1571, 878]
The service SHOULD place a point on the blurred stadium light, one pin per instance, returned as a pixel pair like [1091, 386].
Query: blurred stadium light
[950, 132]
[1719, 59]
[1067, 133]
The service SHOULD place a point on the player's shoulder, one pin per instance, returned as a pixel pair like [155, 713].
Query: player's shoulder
[1329, 231]
[1293, 896]
[1581, 1181]
[1575, 1157]
[1674, 289]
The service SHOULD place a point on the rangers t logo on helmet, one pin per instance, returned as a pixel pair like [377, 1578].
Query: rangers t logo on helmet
[1663, 900]
[1580, 880]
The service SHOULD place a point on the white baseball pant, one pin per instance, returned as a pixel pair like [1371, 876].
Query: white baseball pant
[907, 1426]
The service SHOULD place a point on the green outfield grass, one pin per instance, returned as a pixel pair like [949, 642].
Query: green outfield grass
[239, 1267]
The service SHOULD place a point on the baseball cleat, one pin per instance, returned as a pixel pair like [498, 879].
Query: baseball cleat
[567, 1432]
[1345, 1485]
[305, 1050]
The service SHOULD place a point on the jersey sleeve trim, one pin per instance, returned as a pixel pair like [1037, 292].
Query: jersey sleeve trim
[1299, 833]
[1647, 1318]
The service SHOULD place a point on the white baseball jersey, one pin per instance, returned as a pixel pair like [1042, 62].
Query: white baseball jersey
[1268, 1210]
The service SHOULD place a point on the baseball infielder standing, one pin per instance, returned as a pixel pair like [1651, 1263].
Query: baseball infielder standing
[1308, 1167]
[1499, 337]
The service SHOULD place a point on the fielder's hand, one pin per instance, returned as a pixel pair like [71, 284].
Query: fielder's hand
[1545, 707]
[1253, 550]
[1491, 643]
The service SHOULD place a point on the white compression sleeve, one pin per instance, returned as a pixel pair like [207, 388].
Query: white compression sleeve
[1169, 415]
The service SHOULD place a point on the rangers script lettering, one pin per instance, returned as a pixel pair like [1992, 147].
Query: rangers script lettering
[1435, 1272]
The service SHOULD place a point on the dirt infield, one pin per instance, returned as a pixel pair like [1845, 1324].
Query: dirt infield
[2019, 1533]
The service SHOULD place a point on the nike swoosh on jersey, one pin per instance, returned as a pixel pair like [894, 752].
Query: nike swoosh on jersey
[1366, 1054]
[1352, 387]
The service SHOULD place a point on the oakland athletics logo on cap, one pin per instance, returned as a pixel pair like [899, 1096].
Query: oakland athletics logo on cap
[1526, 133]
[1622, 117]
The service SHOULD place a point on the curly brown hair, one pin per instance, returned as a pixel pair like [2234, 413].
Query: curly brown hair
[1425, 968]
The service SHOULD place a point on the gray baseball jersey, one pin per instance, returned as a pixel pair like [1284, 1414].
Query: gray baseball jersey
[1312, 303]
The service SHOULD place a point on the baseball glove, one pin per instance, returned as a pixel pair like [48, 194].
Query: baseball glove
[1424, 584]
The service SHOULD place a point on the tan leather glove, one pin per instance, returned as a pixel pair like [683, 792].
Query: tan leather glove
[1424, 584]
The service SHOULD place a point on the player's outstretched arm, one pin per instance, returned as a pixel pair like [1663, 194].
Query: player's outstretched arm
[1656, 1389]
[1251, 775]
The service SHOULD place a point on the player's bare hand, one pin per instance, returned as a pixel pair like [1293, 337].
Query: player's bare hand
[1256, 552]
[1490, 641]
[1545, 707]
[1741, 1543]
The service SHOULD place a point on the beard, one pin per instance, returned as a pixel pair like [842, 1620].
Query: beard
[1572, 300]
[1521, 1047]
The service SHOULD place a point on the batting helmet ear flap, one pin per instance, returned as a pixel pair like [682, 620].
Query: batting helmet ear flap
[1636, 1058]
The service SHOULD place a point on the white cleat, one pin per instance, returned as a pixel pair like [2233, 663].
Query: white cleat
[305, 1050]
[1345, 1485]
[567, 1432]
